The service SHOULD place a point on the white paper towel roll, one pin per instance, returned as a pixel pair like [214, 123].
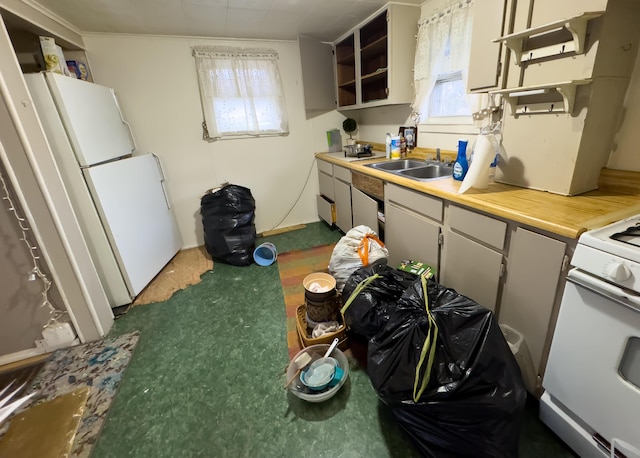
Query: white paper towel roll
[484, 153]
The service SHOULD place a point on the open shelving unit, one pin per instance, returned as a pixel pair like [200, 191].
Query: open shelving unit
[553, 39]
[374, 59]
[544, 98]
[346, 71]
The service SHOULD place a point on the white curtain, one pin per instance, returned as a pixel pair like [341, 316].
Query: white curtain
[443, 45]
[241, 92]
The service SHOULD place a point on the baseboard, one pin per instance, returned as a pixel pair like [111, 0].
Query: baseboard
[282, 230]
[21, 358]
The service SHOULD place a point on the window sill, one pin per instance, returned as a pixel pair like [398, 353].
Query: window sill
[449, 126]
[245, 136]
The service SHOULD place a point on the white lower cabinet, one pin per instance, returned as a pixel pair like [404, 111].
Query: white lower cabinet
[326, 195]
[412, 229]
[342, 190]
[472, 269]
[532, 291]
[472, 261]
[469, 251]
[334, 198]
[364, 210]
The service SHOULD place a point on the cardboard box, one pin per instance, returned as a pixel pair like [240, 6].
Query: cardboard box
[417, 268]
[79, 69]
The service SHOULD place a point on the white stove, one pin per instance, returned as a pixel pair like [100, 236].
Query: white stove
[592, 380]
[612, 253]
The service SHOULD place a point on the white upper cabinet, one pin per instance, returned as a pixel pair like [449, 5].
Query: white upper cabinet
[374, 62]
[487, 60]
[316, 60]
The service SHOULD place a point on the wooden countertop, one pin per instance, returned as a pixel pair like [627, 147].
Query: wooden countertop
[561, 215]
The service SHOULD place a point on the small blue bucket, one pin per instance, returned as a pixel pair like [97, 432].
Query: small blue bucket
[265, 254]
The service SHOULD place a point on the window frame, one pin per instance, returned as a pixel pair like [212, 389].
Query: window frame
[239, 92]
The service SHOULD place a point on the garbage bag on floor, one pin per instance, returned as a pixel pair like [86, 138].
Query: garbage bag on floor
[376, 290]
[228, 215]
[359, 247]
[459, 393]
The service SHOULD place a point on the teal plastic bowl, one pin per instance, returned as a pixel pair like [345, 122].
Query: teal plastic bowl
[320, 374]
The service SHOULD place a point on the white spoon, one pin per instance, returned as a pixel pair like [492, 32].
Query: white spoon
[331, 347]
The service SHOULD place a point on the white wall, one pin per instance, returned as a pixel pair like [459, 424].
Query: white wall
[156, 83]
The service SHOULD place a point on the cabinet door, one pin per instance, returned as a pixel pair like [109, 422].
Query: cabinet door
[364, 209]
[484, 59]
[472, 269]
[409, 236]
[316, 59]
[343, 205]
[533, 273]
[325, 185]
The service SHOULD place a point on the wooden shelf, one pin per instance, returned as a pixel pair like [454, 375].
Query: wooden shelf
[348, 60]
[373, 75]
[377, 47]
[347, 83]
[575, 25]
[384, 48]
[530, 99]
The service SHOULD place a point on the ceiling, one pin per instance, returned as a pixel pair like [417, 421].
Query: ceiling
[325, 20]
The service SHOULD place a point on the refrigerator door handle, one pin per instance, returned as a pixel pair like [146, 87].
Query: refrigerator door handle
[162, 179]
[133, 140]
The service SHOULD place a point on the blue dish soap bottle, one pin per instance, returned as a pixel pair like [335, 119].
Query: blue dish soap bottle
[461, 165]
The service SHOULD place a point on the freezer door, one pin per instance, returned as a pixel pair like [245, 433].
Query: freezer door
[139, 224]
[92, 119]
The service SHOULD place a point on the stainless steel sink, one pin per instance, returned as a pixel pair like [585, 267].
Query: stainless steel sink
[415, 170]
[428, 172]
[401, 164]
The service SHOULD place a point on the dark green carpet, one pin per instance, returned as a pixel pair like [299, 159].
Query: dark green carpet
[206, 380]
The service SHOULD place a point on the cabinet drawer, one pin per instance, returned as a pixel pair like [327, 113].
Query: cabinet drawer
[342, 174]
[369, 185]
[422, 204]
[480, 227]
[325, 184]
[326, 210]
[326, 167]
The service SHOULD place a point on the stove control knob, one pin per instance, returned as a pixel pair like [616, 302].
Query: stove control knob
[617, 271]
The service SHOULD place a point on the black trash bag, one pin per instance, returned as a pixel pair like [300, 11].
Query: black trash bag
[473, 402]
[369, 310]
[228, 218]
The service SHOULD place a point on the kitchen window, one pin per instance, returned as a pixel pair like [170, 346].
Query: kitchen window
[241, 92]
[448, 97]
[441, 65]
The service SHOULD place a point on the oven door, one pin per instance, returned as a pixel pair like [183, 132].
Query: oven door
[593, 372]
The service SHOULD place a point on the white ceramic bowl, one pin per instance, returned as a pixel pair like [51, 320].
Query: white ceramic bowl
[316, 352]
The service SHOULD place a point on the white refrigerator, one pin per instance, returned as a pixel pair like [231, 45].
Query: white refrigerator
[119, 197]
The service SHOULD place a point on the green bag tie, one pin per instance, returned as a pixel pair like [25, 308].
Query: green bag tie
[362, 285]
[429, 346]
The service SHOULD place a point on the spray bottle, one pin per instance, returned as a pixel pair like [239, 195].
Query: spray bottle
[461, 165]
[388, 143]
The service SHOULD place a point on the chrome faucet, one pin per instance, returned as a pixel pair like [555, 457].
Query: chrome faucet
[438, 154]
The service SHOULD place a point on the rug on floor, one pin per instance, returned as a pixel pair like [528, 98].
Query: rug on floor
[183, 270]
[293, 267]
[98, 365]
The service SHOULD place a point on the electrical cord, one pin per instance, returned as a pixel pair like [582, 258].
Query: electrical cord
[297, 199]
